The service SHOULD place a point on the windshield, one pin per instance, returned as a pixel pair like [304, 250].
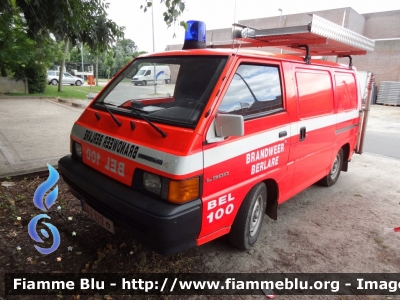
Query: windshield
[173, 90]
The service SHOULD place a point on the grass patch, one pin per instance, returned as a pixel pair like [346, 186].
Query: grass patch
[69, 92]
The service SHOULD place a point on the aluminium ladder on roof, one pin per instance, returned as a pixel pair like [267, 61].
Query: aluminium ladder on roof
[322, 37]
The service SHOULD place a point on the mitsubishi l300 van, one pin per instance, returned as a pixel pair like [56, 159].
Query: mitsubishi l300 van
[235, 134]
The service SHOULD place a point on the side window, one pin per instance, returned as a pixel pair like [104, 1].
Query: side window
[147, 73]
[254, 89]
[315, 93]
[346, 92]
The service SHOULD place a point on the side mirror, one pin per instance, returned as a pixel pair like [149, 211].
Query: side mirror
[229, 125]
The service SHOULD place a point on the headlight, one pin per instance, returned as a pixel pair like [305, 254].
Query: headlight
[77, 149]
[152, 183]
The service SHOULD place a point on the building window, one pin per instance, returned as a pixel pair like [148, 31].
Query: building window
[254, 89]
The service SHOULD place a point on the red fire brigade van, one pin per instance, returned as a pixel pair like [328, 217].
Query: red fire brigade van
[235, 133]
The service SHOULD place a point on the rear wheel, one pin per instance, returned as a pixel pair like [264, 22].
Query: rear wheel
[334, 173]
[247, 225]
[54, 82]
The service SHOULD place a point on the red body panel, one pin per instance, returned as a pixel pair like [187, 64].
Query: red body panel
[320, 97]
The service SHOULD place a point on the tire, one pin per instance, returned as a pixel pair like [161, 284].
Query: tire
[166, 81]
[54, 82]
[248, 222]
[135, 84]
[78, 83]
[334, 172]
[144, 82]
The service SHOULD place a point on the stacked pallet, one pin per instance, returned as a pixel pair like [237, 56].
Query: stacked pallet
[389, 93]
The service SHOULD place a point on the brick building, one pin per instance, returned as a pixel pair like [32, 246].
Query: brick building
[383, 27]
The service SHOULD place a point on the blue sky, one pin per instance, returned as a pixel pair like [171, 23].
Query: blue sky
[219, 14]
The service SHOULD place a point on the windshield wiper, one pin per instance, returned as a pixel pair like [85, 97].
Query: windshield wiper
[138, 112]
[111, 114]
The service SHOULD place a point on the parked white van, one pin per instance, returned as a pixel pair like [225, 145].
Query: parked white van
[146, 75]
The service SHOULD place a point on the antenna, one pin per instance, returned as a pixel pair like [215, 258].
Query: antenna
[234, 22]
[234, 14]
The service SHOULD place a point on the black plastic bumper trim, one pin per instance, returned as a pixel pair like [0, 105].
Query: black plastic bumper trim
[165, 227]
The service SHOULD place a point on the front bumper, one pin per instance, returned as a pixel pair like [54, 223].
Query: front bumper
[165, 227]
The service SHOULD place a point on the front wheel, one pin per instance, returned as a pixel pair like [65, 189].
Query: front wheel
[247, 225]
[78, 83]
[144, 82]
[334, 173]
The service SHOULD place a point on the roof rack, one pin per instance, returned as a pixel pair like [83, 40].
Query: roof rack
[319, 38]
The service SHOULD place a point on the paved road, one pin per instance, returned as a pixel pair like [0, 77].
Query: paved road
[383, 133]
[383, 143]
[33, 133]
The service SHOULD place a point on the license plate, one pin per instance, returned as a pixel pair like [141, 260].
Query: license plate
[98, 218]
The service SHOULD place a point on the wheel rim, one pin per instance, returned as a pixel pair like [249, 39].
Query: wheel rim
[255, 220]
[335, 167]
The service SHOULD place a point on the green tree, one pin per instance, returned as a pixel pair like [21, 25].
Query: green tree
[109, 62]
[71, 21]
[174, 10]
[137, 53]
[21, 56]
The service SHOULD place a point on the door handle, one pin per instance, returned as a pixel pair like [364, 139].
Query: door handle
[302, 134]
[282, 133]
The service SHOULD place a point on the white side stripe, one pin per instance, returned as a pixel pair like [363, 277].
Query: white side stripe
[230, 150]
[224, 152]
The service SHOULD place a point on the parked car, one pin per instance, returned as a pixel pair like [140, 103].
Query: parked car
[52, 78]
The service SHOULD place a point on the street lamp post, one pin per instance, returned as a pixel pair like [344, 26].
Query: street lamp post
[83, 70]
[152, 28]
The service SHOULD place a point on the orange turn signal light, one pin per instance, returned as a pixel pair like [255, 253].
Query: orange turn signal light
[183, 191]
